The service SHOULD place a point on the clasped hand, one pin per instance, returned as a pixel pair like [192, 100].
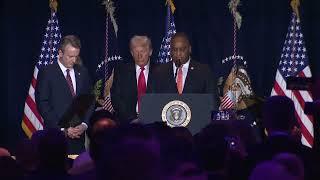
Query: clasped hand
[75, 132]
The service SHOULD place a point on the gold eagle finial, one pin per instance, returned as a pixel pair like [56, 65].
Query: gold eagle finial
[53, 4]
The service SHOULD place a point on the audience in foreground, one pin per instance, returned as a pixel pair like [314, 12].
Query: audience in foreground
[220, 151]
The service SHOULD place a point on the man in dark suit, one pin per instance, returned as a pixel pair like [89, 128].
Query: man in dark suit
[183, 74]
[132, 80]
[58, 84]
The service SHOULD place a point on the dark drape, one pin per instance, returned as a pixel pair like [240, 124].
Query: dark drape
[207, 22]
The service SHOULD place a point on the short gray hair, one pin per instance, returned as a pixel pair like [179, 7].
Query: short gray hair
[73, 40]
[140, 41]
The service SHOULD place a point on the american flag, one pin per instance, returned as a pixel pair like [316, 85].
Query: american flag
[112, 56]
[32, 120]
[228, 100]
[294, 63]
[164, 52]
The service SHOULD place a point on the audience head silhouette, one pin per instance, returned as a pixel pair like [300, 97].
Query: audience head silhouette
[278, 114]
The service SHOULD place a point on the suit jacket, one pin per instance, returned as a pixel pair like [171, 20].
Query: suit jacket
[53, 95]
[199, 79]
[124, 93]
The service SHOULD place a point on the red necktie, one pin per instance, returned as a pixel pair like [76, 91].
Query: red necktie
[69, 81]
[180, 80]
[142, 88]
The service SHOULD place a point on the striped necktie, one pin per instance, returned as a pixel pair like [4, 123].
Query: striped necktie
[69, 81]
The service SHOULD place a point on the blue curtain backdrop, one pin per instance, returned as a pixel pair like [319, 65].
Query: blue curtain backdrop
[207, 22]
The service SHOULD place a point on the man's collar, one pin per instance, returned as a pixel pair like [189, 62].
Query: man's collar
[62, 67]
[146, 67]
[185, 64]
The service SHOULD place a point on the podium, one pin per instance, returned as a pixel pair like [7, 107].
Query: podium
[189, 110]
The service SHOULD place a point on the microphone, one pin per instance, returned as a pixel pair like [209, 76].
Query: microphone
[220, 85]
[178, 64]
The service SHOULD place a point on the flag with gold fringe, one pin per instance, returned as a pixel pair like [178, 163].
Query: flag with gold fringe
[32, 120]
[294, 62]
[164, 52]
[237, 88]
[105, 68]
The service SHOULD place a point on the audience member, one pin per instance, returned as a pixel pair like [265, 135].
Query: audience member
[26, 156]
[84, 165]
[212, 150]
[135, 155]
[4, 152]
[9, 169]
[270, 170]
[279, 121]
[220, 151]
[187, 171]
[292, 163]
[52, 155]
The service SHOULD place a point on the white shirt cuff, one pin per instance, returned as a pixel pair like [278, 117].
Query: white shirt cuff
[85, 125]
[62, 129]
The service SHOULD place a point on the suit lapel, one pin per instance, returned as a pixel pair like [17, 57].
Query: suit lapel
[171, 74]
[61, 78]
[132, 78]
[78, 78]
[188, 82]
[149, 81]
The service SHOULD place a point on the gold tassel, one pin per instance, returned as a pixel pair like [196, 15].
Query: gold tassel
[53, 4]
[295, 7]
[233, 7]
[171, 4]
[110, 9]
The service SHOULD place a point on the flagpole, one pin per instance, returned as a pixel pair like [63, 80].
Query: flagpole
[170, 30]
[105, 68]
[295, 9]
[53, 4]
[233, 5]
[106, 53]
[238, 82]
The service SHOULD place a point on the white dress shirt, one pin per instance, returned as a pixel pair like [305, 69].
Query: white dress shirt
[73, 78]
[145, 72]
[72, 75]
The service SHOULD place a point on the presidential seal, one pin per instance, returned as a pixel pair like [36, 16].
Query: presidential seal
[176, 113]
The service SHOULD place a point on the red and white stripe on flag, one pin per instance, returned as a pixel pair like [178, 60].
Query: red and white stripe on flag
[294, 63]
[107, 104]
[299, 98]
[32, 120]
[227, 101]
